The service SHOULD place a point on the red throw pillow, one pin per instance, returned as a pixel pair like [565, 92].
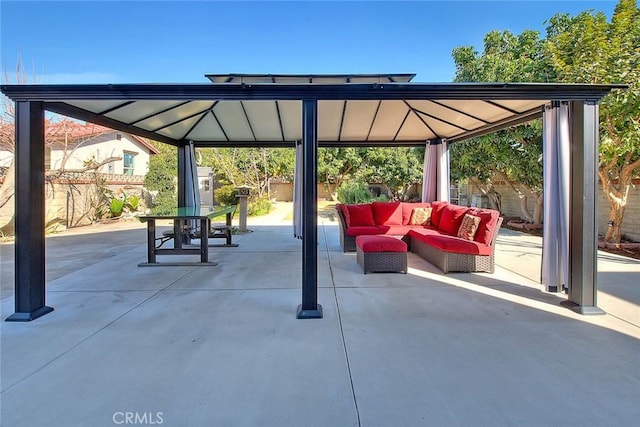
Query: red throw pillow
[387, 213]
[451, 218]
[488, 221]
[436, 212]
[361, 215]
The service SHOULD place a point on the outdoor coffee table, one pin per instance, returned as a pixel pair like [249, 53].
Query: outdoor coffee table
[182, 217]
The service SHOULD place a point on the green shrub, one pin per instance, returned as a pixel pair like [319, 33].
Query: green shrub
[165, 201]
[116, 207]
[259, 206]
[353, 192]
[226, 195]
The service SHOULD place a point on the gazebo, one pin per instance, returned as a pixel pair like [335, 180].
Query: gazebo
[311, 111]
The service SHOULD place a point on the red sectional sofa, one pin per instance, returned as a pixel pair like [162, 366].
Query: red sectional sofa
[447, 239]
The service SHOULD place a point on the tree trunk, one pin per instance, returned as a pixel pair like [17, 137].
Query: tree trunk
[614, 229]
[488, 190]
[617, 194]
[495, 201]
[537, 212]
[524, 209]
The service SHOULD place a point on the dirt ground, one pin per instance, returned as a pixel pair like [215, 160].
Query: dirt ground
[631, 253]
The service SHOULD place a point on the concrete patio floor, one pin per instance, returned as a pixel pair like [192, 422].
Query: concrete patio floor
[220, 346]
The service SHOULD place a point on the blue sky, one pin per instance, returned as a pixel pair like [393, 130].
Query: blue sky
[170, 41]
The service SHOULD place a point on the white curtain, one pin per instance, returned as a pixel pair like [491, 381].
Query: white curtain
[555, 158]
[444, 185]
[435, 178]
[430, 173]
[192, 186]
[297, 193]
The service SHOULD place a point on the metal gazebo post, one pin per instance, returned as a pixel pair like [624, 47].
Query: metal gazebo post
[309, 309]
[29, 213]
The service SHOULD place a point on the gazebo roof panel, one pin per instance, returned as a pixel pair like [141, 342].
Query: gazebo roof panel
[442, 113]
[136, 111]
[330, 114]
[179, 129]
[388, 120]
[166, 118]
[264, 120]
[233, 121]
[208, 129]
[291, 113]
[413, 129]
[95, 106]
[358, 117]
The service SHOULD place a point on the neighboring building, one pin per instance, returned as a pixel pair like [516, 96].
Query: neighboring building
[70, 145]
[205, 185]
[73, 198]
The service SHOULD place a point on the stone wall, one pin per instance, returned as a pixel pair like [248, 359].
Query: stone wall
[630, 225]
[283, 192]
[71, 202]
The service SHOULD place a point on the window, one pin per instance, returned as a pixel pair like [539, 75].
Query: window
[127, 160]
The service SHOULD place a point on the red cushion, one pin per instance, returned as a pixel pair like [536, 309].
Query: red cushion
[407, 208]
[360, 215]
[456, 244]
[357, 230]
[380, 244]
[436, 213]
[488, 221]
[451, 218]
[395, 230]
[387, 213]
[419, 232]
[345, 213]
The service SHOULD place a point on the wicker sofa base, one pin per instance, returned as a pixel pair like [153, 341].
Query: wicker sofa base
[348, 243]
[451, 261]
[379, 262]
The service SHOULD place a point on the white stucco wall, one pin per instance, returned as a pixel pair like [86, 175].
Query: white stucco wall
[5, 158]
[102, 147]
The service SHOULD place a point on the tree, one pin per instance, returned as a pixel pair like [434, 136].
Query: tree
[513, 155]
[397, 168]
[335, 165]
[162, 176]
[587, 49]
[249, 166]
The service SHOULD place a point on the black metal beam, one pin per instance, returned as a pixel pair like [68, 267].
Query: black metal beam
[29, 279]
[526, 116]
[280, 91]
[292, 144]
[583, 226]
[78, 113]
[309, 309]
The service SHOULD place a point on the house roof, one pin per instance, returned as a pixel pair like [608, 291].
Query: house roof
[265, 109]
[58, 131]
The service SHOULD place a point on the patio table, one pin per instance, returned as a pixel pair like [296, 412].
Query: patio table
[182, 217]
